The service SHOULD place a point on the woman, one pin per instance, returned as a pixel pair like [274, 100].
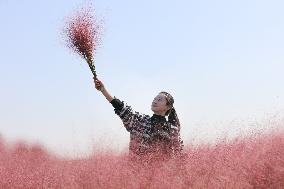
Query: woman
[150, 136]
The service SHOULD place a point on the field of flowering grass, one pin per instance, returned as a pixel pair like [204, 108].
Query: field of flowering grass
[245, 162]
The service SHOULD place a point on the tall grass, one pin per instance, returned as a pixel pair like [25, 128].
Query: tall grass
[244, 162]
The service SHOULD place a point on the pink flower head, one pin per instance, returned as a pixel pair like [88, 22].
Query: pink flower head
[82, 31]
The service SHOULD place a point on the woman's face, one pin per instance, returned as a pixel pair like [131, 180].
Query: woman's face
[159, 105]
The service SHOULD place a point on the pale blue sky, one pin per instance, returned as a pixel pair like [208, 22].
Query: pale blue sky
[222, 61]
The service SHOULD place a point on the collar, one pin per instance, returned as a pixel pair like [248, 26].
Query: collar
[158, 118]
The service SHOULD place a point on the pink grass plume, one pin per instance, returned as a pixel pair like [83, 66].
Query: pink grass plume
[83, 35]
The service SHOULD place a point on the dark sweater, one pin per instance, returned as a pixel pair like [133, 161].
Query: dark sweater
[149, 134]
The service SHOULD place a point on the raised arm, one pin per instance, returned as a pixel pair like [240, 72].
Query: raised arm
[129, 117]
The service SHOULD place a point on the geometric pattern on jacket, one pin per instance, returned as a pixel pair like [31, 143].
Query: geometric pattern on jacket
[150, 136]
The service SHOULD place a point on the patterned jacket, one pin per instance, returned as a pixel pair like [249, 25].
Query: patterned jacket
[149, 135]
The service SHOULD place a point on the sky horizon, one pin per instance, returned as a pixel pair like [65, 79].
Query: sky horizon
[221, 61]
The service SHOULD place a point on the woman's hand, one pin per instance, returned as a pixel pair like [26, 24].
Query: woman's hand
[99, 85]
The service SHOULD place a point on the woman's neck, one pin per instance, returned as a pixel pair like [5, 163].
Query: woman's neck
[160, 114]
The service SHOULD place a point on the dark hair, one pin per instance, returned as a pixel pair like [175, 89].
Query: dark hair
[170, 101]
[172, 115]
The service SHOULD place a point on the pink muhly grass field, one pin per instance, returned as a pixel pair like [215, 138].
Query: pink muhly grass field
[245, 162]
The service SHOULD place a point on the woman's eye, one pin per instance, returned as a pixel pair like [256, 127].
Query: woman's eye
[158, 99]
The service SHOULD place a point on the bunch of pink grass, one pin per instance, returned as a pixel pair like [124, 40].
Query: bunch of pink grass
[248, 162]
[82, 34]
